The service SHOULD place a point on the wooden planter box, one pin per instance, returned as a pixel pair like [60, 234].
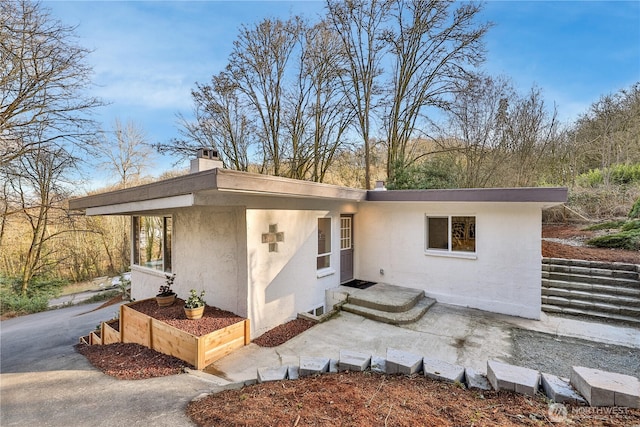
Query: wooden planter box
[108, 334]
[95, 339]
[136, 327]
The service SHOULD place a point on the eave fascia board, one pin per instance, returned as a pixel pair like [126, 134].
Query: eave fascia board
[546, 195]
[186, 184]
[155, 205]
[243, 182]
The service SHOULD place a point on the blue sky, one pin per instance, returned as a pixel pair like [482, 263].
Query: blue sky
[147, 56]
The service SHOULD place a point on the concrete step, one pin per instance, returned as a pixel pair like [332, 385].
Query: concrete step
[591, 264]
[550, 308]
[594, 264]
[393, 318]
[596, 273]
[592, 296]
[591, 287]
[610, 281]
[384, 297]
[592, 306]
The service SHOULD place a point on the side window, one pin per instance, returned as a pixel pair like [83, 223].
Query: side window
[152, 242]
[324, 243]
[463, 233]
[451, 233]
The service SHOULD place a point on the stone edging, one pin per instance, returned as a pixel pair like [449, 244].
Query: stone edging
[592, 386]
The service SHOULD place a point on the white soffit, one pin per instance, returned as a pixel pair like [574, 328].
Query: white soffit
[172, 202]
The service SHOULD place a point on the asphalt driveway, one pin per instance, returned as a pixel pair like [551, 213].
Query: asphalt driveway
[44, 382]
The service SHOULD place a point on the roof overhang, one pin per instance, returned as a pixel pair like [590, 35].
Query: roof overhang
[545, 195]
[263, 191]
[182, 191]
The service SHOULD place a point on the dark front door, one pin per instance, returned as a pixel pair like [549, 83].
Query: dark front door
[346, 248]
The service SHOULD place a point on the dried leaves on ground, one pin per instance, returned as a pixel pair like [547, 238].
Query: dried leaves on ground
[368, 399]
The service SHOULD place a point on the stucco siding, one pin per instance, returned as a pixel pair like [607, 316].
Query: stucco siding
[504, 276]
[285, 283]
[208, 253]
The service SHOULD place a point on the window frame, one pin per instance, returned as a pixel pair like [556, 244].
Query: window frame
[450, 252]
[167, 243]
[346, 241]
[327, 255]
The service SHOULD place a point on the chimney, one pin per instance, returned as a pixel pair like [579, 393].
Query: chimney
[206, 159]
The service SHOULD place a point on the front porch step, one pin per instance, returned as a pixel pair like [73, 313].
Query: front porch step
[385, 297]
[394, 318]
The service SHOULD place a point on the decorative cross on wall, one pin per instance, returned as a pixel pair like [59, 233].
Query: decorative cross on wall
[273, 237]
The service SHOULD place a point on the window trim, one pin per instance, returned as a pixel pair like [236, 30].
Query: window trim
[449, 252]
[325, 271]
[167, 249]
[349, 238]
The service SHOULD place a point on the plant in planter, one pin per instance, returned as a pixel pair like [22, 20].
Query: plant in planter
[194, 305]
[165, 296]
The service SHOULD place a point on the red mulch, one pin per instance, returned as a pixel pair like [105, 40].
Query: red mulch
[368, 399]
[283, 333]
[212, 319]
[578, 235]
[131, 361]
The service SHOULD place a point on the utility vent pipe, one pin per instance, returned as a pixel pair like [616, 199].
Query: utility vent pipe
[380, 186]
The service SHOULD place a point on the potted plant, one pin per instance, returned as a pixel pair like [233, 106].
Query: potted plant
[194, 306]
[166, 296]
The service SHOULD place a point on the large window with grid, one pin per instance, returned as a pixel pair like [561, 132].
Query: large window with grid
[324, 243]
[152, 242]
[455, 234]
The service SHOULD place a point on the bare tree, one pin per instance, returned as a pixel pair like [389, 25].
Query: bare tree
[360, 23]
[128, 153]
[432, 47]
[502, 138]
[531, 129]
[41, 194]
[220, 121]
[43, 76]
[258, 65]
[44, 118]
[316, 112]
[475, 129]
[330, 108]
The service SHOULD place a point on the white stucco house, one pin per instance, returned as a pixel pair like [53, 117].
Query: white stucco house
[268, 248]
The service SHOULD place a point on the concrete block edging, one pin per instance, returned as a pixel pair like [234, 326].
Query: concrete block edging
[619, 390]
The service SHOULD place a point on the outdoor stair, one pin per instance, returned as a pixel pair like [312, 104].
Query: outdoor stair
[395, 305]
[600, 290]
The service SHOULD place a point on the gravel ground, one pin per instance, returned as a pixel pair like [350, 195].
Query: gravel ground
[556, 355]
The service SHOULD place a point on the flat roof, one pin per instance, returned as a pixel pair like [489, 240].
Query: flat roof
[523, 194]
[220, 180]
[235, 182]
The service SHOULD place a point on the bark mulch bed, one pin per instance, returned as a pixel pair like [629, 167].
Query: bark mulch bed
[131, 361]
[368, 399]
[283, 333]
[576, 235]
[212, 319]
